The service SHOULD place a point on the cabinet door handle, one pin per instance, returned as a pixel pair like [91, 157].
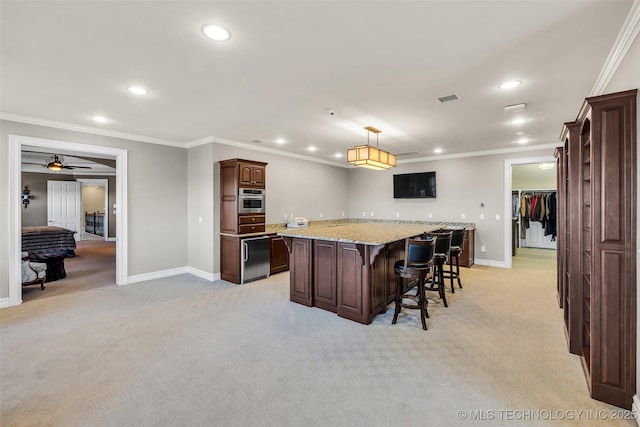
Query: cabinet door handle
[245, 252]
[253, 219]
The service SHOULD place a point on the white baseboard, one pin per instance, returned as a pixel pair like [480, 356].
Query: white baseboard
[157, 275]
[490, 263]
[635, 408]
[212, 277]
[203, 274]
[111, 239]
[4, 302]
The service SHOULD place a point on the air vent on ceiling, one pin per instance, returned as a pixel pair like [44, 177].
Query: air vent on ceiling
[448, 98]
[515, 108]
[256, 141]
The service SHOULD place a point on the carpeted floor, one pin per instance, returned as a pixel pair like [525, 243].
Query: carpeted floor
[184, 351]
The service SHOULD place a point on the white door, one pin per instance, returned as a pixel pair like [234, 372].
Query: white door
[64, 205]
[535, 237]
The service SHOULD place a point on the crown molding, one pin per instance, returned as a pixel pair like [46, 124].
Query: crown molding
[626, 36]
[481, 153]
[223, 141]
[86, 129]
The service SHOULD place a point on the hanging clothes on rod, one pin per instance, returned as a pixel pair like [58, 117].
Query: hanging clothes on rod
[538, 206]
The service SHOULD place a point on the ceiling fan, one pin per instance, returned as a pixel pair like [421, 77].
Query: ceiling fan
[54, 164]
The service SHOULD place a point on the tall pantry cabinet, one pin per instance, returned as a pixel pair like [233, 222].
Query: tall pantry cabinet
[597, 243]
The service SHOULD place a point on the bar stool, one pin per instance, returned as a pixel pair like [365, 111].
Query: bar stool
[413, 271]
[457, 243]
[443, 244]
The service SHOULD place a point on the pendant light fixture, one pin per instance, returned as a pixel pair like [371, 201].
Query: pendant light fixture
[370, 157]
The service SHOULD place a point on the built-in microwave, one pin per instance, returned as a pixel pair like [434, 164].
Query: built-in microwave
[251, 200]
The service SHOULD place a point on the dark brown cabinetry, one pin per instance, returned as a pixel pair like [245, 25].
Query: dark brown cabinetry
[251, 223]
[278, 253]
[597, 243]
[230, 259]
[234, 174]
[467, 258]
[252, 174]
[325, 290]
[356, 281]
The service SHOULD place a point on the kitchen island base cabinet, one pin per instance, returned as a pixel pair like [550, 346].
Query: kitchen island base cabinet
[325, 287]
[356, 281]
[300, 272]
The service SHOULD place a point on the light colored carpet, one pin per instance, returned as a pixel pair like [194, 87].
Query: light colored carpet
[184, 351]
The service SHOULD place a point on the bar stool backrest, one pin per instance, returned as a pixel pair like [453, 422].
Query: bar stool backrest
[457, 236]
[443, 241]
[420, 251]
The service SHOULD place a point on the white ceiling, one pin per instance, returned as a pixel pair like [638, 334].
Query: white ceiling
[288, 64]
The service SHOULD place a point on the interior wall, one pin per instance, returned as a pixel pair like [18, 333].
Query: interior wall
[200, 217]
[93, 199]
[462, 185]
[157, 198]
[531, 177]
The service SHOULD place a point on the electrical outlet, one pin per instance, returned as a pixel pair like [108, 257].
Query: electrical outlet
[397, 214]
[285, 216]
[200, 220]
[364, 214]
[372, 214]
[463, 216]
[430, 215]
[320, 214]
[497, 217]
[342, 213]
[483, 249]
[481, 216]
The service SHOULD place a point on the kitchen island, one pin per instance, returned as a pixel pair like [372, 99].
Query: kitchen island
[348, 268]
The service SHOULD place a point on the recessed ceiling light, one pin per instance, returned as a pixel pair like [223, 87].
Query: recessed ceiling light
[438, 150]
[312, 148]
[338, 155]
[517, 121]
[520, 132]
[216, 32]
[510, 85]
[280, 141]
[99, 119]
[138, 90]
[523, 141]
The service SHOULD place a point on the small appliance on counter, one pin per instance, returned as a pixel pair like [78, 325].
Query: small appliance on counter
[298, 222]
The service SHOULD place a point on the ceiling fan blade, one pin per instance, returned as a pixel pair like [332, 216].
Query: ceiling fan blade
[37, 164]
[76, 167]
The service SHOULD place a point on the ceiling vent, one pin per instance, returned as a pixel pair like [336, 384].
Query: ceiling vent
[257, 141]
[515, 108]
[448, 98]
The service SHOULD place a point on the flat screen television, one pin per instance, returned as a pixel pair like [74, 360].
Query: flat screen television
[420, 185]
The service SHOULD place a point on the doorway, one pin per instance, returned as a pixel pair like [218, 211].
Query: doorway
[95, 209]
[16, 144]
[508, 201]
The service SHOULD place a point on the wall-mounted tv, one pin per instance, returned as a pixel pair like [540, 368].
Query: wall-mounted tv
[420, 185]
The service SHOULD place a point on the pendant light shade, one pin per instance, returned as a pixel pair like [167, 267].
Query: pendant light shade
[370, 157]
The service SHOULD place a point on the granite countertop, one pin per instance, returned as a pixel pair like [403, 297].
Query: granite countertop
[357, 230]
[376, 233]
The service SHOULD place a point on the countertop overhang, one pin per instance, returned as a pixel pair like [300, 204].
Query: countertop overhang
[361, 233]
